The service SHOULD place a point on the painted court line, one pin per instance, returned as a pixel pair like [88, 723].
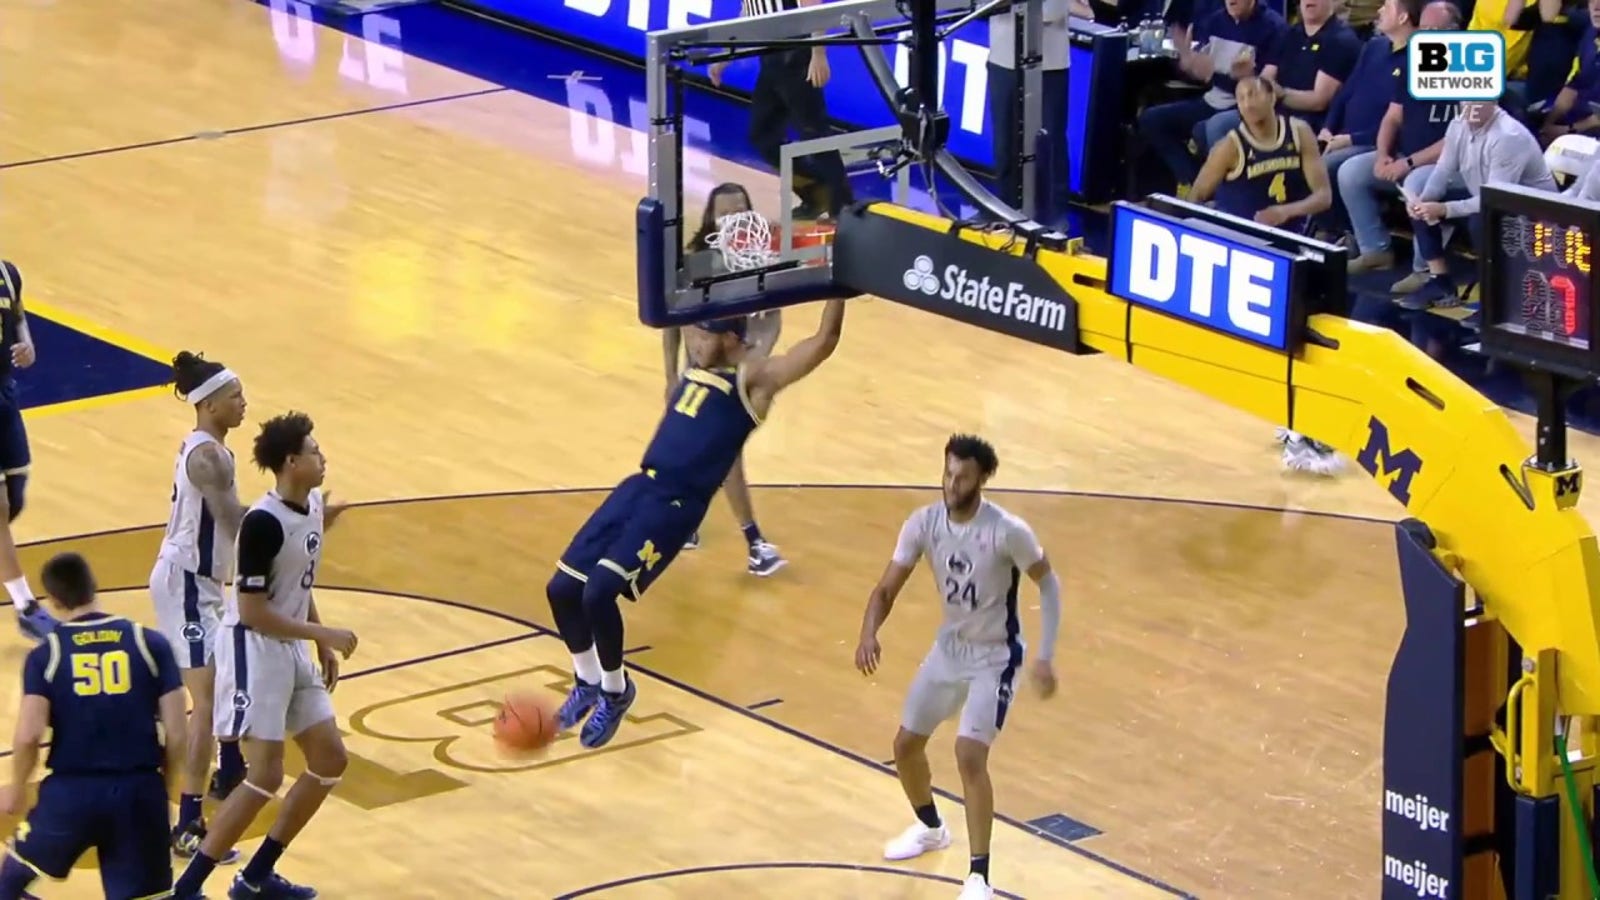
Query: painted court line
[247, 129]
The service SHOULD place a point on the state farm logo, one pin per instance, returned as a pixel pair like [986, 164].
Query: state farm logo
[920, 276]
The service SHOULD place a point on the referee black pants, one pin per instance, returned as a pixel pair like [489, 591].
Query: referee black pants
[783, 100]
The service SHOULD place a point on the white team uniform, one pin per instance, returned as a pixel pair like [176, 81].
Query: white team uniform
[977, 566]
[195, 561]
[269, 689]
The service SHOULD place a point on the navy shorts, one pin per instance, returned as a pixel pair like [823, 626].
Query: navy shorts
[124, 818]
[637, 532]
[14, 455]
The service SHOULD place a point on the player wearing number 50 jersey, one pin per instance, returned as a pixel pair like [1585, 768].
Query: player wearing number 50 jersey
[268, 689]
[977, 552]
[637, 532]
[101, 685]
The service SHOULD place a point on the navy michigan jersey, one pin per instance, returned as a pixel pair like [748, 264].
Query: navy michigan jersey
[10, 304]
[709, 417]
[1265, 172]
[104, 677]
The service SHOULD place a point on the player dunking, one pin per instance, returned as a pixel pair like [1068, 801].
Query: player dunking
[268, 687]
[195, 560]
[978, 553]
[100, 684]
[17, 352]
[762, 331]
[637, 532]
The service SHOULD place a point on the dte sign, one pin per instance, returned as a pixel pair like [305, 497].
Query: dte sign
[1457, 65]
[1201, 277]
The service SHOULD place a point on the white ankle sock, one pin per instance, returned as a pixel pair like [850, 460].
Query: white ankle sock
[613, 682]
[20, 593]
[586, 666]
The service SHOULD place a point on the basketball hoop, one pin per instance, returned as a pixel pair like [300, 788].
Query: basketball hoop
[745, 239]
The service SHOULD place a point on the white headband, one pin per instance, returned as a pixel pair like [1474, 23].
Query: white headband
[211, 386]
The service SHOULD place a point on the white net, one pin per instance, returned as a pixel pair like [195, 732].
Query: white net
[745, 239]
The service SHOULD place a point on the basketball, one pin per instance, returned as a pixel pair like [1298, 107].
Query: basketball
[526, 722]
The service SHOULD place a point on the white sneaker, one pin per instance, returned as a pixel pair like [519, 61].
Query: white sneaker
[976, 888]
[1305, 455]
[917, 840]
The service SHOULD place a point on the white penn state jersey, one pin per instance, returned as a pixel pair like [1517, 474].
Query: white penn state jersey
[977, 567]
[280, 548]
[195, 541]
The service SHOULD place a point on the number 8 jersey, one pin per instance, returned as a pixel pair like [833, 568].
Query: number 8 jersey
[280, 545]
[977, 567]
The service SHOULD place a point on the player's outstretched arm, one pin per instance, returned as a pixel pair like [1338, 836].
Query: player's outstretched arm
[774, 373]
[1219, 162]
[211, 471]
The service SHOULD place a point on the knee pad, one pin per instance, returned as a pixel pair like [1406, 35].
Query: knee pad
[604, 587]
[320, 779]
[16, 494]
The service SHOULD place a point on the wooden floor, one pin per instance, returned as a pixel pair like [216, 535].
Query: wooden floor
[457, 332]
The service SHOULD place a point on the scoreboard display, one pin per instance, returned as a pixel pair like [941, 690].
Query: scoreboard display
[1538, 284]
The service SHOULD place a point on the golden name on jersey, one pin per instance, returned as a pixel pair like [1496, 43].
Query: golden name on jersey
[103, 636]
[1272, 166]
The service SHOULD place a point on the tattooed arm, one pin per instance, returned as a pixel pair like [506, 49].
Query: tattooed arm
[211, 470]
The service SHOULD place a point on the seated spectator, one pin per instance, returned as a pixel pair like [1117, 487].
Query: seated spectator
[1484, 145]
[1268, 168]
[1232, 42]
[1504, 16]
[1570, 112]
[1314, 58]
[1410, 140]
[1548, 38]
[1351, 128]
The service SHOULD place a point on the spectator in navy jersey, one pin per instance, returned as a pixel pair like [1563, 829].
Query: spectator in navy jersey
[1409, 142]
[1314, 58]
[1351, 128]
[1233, 42]
[1570, 112]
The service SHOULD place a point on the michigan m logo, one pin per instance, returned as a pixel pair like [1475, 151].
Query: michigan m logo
[1382, 462]
[649, 556]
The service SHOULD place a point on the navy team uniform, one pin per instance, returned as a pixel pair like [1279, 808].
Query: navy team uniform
[1267, 173]
[14, 455]
[104, 677]
[640, 528]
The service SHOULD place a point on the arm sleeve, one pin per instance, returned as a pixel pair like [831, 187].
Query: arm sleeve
[33, 677]
[1023, 545]
[908, 549]
[260, 539]
[167, 677]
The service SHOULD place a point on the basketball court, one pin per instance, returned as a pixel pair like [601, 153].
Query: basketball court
[421, 261]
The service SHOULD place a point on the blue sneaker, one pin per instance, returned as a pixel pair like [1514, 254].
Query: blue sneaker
[275, 887]
[36, 622]
[582, 698]
[608, 716]
[186, 843]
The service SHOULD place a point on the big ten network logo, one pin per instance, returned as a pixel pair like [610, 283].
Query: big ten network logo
[973, 85]
[1395, 469]
[601, 139]
[1456, 65]
[1200, 277]
[373, 59]
[455, 723]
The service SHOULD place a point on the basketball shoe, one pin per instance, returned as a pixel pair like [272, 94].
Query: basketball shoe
[976, 888]
[608, 715]
[1302, 454]
[765, 559]
[917, 840]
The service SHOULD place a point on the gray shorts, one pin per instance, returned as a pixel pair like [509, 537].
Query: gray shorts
[267, 689]
[188, 610]
[976, 679]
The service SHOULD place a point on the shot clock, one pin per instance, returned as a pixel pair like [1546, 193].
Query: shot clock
[1538, 284]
